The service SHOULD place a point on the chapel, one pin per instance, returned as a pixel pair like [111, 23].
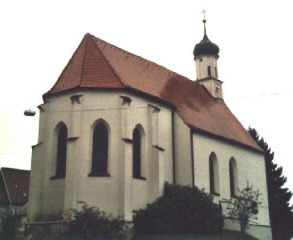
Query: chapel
[115, 127]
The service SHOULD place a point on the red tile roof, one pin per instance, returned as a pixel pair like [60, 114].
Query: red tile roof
[98, 64]
[16, 182]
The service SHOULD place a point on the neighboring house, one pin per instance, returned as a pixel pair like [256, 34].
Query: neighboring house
[14, 189]
[115, 127]
[22, 215]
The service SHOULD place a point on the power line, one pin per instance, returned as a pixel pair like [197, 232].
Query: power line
[263, 95]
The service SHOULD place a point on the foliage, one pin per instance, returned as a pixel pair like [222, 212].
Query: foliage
[281, 214]
[243, 208]
[181, 209]
[10, 223]
[91, 223]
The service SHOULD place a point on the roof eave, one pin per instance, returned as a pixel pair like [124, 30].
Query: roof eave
[133, 90]
[194, 129]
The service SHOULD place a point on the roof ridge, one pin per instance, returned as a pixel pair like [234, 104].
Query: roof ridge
[68, 64]
[5, 185]
[115, 72]
[140, 58]
[83, 59]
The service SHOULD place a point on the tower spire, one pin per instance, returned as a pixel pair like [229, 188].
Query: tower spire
[206, 56]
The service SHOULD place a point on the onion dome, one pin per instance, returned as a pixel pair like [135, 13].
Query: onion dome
[205, 46]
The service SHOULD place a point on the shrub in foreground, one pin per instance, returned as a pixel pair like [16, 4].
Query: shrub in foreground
[181, 209]
[91, 223]
[9, 222]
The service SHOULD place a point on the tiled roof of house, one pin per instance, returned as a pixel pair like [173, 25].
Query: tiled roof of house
[98, 64]
[16, 183]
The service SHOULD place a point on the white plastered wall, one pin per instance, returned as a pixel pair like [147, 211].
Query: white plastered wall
[183, 161]
[119, 194]
[202, 63]
[250, 168]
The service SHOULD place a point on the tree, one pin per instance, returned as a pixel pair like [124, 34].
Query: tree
[181, 209]
[281, 214]
[243, 208]
[10, 223]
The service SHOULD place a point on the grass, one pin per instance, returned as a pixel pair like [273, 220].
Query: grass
[226, 235]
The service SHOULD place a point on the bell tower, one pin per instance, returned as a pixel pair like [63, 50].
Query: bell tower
[206, 56]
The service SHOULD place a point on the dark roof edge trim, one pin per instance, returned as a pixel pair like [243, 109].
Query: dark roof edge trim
[193, 129]
[161, 100]
[6, 188]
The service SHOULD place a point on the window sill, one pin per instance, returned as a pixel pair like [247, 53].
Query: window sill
[99, 174]
[139, 177]
[57, 177]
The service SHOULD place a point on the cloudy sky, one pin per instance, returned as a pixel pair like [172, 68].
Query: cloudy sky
[256, 49]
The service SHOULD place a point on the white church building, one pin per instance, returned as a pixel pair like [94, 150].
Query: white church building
[115, 127]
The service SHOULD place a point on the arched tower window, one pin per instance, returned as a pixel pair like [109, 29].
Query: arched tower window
[214, 175]
[61, 151]
[233, 177]
[209, 71]
[100, 150]
[137, 154]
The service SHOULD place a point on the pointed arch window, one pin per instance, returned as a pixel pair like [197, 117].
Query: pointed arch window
[61, 151]
[214, 175]
[100, 149]
[233, 178]
[137, 154]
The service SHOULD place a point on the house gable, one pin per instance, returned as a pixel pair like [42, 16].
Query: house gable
[16, 184]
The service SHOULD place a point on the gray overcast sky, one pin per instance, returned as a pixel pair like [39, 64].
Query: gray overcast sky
[255, 40]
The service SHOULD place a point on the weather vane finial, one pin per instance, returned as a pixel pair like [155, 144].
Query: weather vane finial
[204, 20]
[204, 15]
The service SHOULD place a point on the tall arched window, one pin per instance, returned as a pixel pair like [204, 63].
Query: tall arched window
[233, 177]
[100, 150]
[214, 174]
[61, 151]
[209, 71]
[137, 154]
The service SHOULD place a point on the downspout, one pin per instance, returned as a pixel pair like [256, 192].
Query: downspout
[173, 146]
[192, 157]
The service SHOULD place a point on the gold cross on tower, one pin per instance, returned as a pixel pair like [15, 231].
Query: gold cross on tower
[204, 15]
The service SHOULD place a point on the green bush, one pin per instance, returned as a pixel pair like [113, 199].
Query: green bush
[181, 209]
[91, 223]
[10, 223]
